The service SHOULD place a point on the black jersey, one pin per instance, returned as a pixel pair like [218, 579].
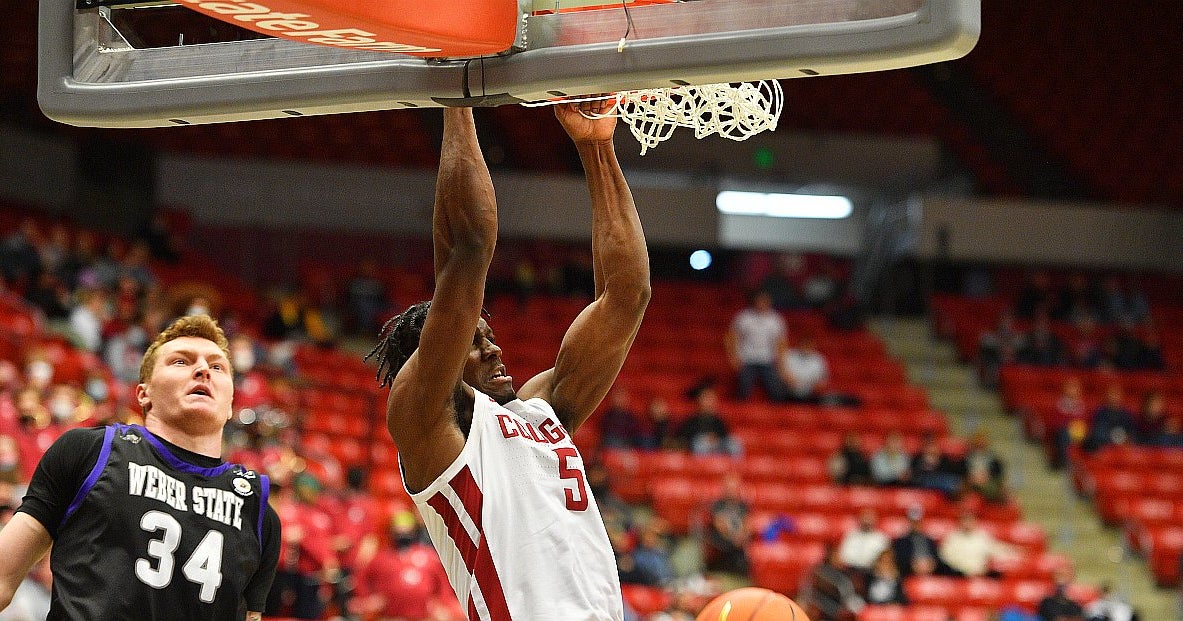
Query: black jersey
[145, 530]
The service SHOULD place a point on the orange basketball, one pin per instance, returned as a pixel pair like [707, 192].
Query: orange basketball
[752, 604]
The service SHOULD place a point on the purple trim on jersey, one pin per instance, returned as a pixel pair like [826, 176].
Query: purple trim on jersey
[177, 462]
[264, 492]
[93, 477]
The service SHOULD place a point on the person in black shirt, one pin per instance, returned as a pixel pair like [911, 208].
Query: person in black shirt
[148, 522]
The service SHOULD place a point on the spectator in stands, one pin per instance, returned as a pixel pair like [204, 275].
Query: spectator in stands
[135, 266]
[932, 469]
[1042, 347]
[18, 255]
[861, 545]
[620, 426]
[63, 405]
[831, 594]
[969, 548]
[998, 347]
[38, 373]
[755, 342]
[123, 349]
[727, 536]
[705, 432]
[891, 464]
[824, 286]
[87, 319]
[613, 508]
[1110, 607]
[1151, 358]
[804, 371]
[984, 471]
[1080, 298]
[367, 298]
[884, 582]
[781, 283]
[1068, 423]
[51, 295]
[54, 249]
[660, 429]
[307, 561]
[404, 579]
[1170, 435]
[651, 555]
[1086, 349]
[103, 272]
[850, 465]
[294, 320]
[31, 412]
[1124, 349]
[1058, 606]
[915, 552]
[1034, 296]
[1111, 422]
[1119, 306]
[82, 255]
[1151, 418]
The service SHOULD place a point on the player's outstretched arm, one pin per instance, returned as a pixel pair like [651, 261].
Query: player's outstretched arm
[23, 541]
[594, 348]
[420, 411]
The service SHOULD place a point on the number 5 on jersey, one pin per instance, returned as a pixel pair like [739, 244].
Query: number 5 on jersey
[204, 566]
[576, 498]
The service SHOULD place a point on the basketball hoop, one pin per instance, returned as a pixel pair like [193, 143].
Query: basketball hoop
[732, 110]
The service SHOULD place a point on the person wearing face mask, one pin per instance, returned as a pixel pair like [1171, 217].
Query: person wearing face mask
[404, 579]
[63, 405]
[250, 384]
[38, 375]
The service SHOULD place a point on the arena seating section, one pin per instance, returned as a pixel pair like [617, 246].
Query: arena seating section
[338, 409]
[1135, 488]
[1083, 112]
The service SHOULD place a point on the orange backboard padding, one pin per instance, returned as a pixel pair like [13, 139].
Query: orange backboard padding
[436, 29]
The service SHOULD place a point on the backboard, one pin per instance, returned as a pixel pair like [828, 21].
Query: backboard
[129, 64]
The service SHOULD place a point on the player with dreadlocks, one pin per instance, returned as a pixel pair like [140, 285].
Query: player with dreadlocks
[493, 471]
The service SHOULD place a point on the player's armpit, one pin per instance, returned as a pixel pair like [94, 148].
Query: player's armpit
[254, 616]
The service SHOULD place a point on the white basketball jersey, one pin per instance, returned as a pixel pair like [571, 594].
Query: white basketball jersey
[515, 524]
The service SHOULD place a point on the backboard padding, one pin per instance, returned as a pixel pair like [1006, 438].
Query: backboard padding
[88, 75]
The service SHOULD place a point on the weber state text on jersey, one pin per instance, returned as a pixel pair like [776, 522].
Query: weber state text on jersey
[515, 523]
[151, 536]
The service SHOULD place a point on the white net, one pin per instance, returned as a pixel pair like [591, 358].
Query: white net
[731, 110]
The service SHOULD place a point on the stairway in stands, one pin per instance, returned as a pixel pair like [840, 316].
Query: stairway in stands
[1071, 523]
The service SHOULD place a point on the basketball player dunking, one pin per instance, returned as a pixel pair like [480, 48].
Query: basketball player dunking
[494, 472]
[148, 522]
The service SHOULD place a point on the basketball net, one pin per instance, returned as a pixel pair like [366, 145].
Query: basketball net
[732, 110]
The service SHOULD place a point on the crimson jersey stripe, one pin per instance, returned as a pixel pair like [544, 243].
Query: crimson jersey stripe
[477, 558]
[456, 530]
[486, 573]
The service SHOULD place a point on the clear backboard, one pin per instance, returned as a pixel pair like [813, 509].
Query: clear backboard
[157, 63]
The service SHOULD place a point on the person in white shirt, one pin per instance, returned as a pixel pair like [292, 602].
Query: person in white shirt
[1109, 607]
[970, 548]
[804, 369]
[755, 343]
[492, 469]
[863, 544]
